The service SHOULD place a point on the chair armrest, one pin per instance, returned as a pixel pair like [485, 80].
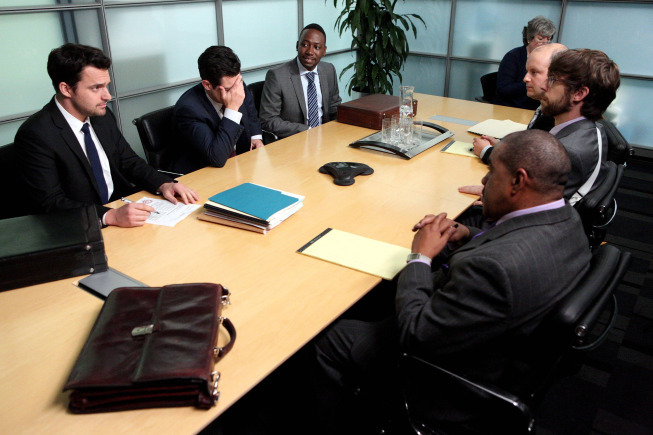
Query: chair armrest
[269, 137]
[587, 321]
[172, 174]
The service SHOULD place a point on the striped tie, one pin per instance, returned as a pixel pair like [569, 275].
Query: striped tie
[313, 112]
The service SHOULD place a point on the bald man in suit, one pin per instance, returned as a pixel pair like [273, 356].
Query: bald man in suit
[497, 287]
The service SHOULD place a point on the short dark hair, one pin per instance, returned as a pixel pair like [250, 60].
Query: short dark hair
[541, 154]
[313, 26]
[591, 68]
[66, 63]
[216, 62]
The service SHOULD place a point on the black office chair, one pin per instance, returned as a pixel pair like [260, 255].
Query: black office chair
[489, 85]
[619, 150]
[158, 138]
[598, 208]
[16, 204]
[480, 407]
[256, 89]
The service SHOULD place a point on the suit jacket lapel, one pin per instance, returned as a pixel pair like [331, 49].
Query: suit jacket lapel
[71, 141]
[296, 81]
[207, 106]
[570, 129]
[324, 88]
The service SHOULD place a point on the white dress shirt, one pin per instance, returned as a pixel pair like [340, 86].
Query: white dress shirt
[316, 79]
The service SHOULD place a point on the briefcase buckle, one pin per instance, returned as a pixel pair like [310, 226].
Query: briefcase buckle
[225, 298]
[215, 377]
[143, 330]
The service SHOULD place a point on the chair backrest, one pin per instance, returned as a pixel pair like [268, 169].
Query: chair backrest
[158, 137]
[565, 329]
[598, 208]
[489, 85]
[17, 204]
[256, 89]
[618, 147]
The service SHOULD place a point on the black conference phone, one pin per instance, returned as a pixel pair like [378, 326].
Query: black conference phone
[428, 139]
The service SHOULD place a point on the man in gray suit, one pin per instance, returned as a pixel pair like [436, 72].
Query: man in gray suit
[286, 103]
[497, 285]
[581, 85]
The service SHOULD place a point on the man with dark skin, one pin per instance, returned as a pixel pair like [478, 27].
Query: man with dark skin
[286, 106]
[497, 285]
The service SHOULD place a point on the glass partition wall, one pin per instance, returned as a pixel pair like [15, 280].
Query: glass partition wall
[154, 45]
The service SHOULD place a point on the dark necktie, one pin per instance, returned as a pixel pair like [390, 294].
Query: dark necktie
[96, 166]
[538, 113]
[233, 149]
[313, 112]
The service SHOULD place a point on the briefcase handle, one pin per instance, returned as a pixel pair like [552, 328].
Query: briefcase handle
[219, 352]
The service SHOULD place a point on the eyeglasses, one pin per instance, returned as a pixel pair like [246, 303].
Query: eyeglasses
[553, 79]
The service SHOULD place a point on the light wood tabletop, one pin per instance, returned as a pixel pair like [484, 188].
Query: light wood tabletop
[280, 299]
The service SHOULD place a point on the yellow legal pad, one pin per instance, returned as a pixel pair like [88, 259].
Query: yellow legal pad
[459, 148]
[377, 258]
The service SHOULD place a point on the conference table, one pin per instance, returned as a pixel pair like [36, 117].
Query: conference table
[280, 299]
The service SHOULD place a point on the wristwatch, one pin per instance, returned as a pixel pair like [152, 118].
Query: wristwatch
[417, 256]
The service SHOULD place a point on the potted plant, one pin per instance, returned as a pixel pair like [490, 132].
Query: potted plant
[378, 36]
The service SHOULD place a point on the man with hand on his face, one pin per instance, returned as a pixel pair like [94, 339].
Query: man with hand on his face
[72, 153]
[215, 119]
[302, 93]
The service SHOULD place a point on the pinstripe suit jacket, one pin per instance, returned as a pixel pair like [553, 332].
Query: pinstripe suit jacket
[497, 289]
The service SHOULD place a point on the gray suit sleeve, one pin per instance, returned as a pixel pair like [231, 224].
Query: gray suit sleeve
[334, 94]
[469, 308]
[272, 101]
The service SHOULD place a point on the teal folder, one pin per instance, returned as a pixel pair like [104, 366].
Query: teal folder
[259, 201]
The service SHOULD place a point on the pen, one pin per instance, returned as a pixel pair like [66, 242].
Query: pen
[129, 201]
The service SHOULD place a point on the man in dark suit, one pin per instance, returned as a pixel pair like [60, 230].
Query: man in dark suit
[495, 289]
[216, 119]
[580, 86]
[72, 153]
[286, 103]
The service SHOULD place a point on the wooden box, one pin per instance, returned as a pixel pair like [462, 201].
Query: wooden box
[370, 110]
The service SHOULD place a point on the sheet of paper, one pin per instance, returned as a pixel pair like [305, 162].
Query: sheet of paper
[377, 258]
[496, 128]
[459, 148]
[169, 214]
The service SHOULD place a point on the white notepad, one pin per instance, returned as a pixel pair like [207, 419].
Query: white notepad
[496, 128]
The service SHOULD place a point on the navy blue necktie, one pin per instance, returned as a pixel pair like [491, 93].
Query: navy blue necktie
[313, 111]
[96, 166]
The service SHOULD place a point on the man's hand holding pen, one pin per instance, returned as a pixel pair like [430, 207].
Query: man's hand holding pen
[132, 214]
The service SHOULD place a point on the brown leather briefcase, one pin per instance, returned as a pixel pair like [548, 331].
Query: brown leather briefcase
[370, 110]
[48, 247]
[152, 347]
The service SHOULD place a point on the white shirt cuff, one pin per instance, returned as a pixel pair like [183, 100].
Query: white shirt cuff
[484, 150]
[234, 115]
